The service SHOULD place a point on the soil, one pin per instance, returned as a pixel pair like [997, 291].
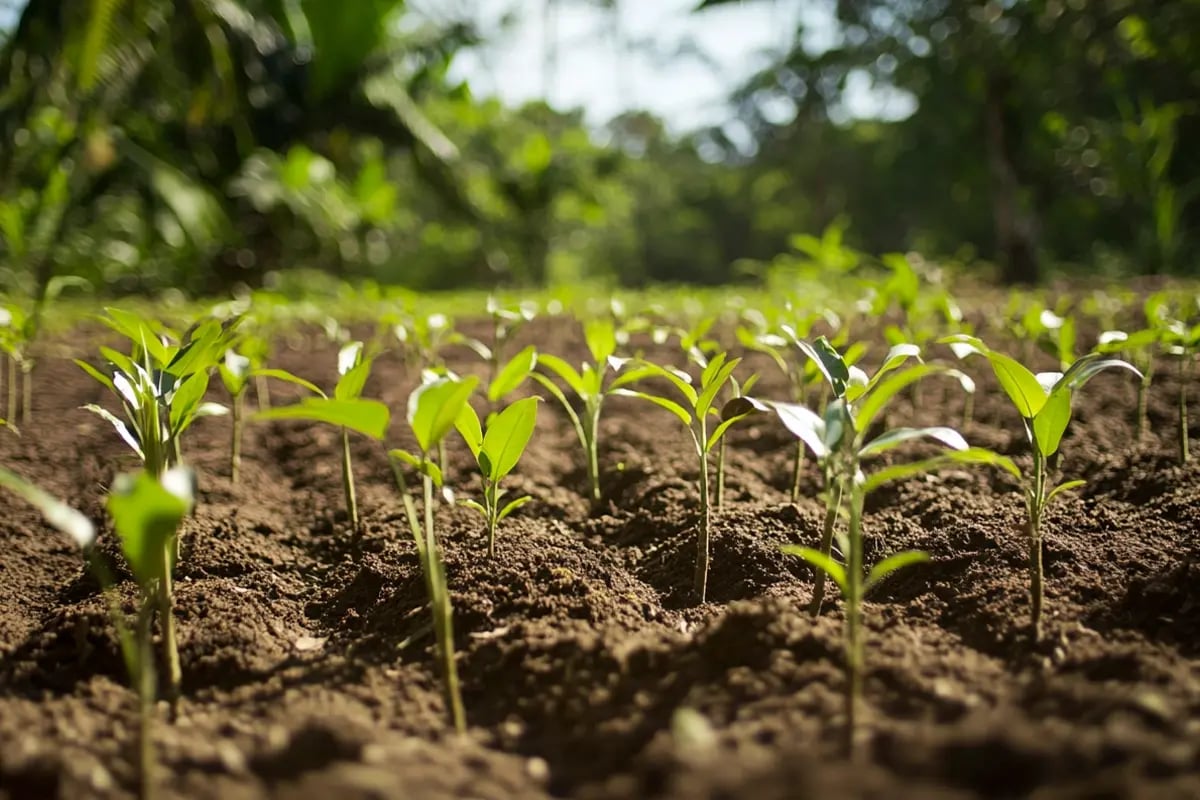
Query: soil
[588, 670]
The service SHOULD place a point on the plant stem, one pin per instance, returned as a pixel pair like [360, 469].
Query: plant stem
[443, 613]
[700, 583]
[720, 501]
[797, 467]
[854, 631]
[1143, 395]
[144, 680]
[166, 620]
[26, 390]
[1036, 505]
[235, 444]
[968, 410]
[262, 392]
[348, 481]
[1184, 376]
[593, 449]
[833, 503]
[489, 494]
[12, 390]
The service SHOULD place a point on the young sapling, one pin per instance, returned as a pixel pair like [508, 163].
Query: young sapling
[347, 409]
[497, 451]
[235, 371]
[1044, 402]
[433, 409]
[588, 385]
[842, 440]
[694, 413]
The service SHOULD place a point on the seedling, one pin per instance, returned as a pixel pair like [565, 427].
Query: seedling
[1044, 402]
[433, 409]
[840, 441]
[588, 385]
[497, 452]
[161, 386]
[694, 414]
[505, 323]
[235, 373]
[347, 409]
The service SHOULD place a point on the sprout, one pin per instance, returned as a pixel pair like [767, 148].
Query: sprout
[497, 452]
[700, 404]
[1044, 402]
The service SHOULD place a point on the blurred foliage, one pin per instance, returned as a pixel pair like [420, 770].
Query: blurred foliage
[201, 144]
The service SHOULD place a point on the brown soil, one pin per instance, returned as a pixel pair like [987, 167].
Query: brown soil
[307, 656]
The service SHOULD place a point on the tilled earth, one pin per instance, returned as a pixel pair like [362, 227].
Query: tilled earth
[307, 653]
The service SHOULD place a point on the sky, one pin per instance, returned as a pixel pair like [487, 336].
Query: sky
[684, 68]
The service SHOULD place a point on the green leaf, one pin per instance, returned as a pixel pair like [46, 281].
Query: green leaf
[820, 561]
[601, 338]
[883, 392]
[284, 375]
[1021, 385]
[896, 356]
[186, 400]
[1064, 487]
[513, 374]
[469, 428]
[474, 505]
[830, 363]
[886, 441]
[513, 505]
[1088, 366]
[350, 385]
[711, 368]
[720, 431]
[891, 564]
[99, 376]
[508, 435]
[1051, 421]
[433, 407]
[973, 455]
[122, 429]
[565, 371]
[146, 516]
[805, 425]
[680, 380]
[679, 411]
[424, 466]
[368, 417]
[57, 513]
[716, 379]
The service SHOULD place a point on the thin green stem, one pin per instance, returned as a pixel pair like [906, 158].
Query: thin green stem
[720, 501]
[443, 612]
[144, 681]
[593, 449]
[833, 502]
[1037, 503]
[854, 629]
[348, 482]
[797, 470]
[700, 582]
[166, 621]
[235, 443]
[26, 390]
[262, 392]
[493, 516]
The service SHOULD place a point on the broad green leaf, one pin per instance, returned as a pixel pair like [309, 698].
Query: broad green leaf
[122, 429]
[894, 359]
[679, 411]
[1064, 487]
[625, 377]
[284, 375]
[474, 505]
[1021, 385]
[146, 516]
[891, 564]
[717, 379]
[122, 362]
[710, 369]
[433, 407]
[881, 394]
[97, 374]
[513, 505]
[804, 424]
[513, 374]
[1088, 366]
[186, 400]
[565, 371]
[57, 513]
[720, 431]
[820, 561]
[508, 435]
[424, 466]
[680, 380]
[368, 417]
[886, 441]
[601, 338]
[1051, 421]
[350, 385]
[973, 455]
[469, 428]
[828, 361]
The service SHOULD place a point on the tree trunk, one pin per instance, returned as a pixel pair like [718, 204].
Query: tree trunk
[1016, 249]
